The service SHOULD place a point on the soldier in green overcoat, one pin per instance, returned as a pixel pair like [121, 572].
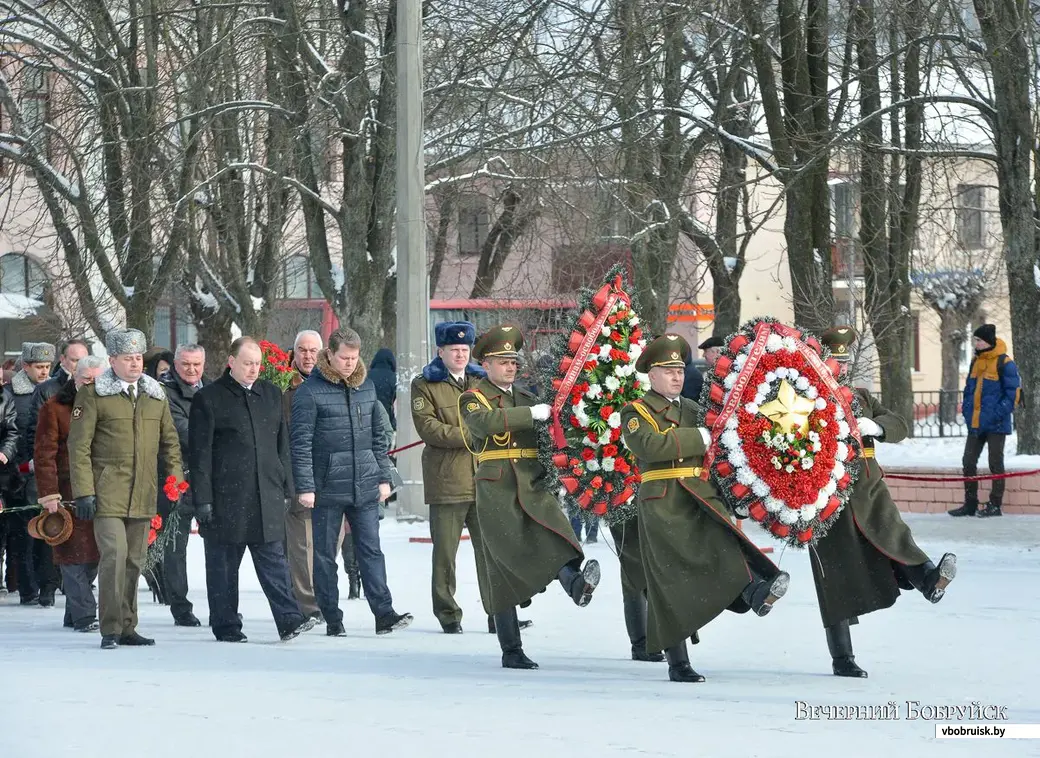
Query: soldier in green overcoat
[869, 552]
[697, 563]
[121, 425]
[448, 466]
[528, 541]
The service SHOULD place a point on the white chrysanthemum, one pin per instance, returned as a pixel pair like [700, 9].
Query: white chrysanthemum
[830, 487]
[789, 468]
[634, 321]
[751, 408]
[781, 372]
[812, 393]
[737, 458]
[614, 420]
[843, 430]
[740, 360]
[643, 379]
[760, 399]
[841, 451]
[732, 423]
[839, 471]
[774, 343]
[594, 391]
[789, 344]
[636, 350]
[612, 382]
[608, 464]
[604, 439]
[605, 331]
[801, 384]
[820, 403]
[789, 516]
[807, 462]
[592, 465]
[770, 377]
[604, 352]
[583, 419]
[774, 505]
[729, 381]
[746, 477]
[730, 439]
[807, 512]
[763, 389]
[839, 413]
[821, 500]
[760, 488]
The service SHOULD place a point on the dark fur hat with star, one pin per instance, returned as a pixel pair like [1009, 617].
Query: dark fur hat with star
[499, 342]
[454, 333]
[667, 351]
[840, 340]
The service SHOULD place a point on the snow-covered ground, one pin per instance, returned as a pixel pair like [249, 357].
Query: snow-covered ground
[946, 452]
[422, 693]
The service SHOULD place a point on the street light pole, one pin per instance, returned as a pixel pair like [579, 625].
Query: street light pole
[413, 298]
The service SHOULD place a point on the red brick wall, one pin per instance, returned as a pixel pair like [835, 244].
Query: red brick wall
[1021, 494]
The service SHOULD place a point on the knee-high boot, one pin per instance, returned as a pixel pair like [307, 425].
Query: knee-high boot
[679, 669]
[507, 627]
[931, 580]
[350, 566]
[635, 623]
[839, 642]
[580, 582]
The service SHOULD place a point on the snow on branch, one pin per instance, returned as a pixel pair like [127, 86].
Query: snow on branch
[952, 291]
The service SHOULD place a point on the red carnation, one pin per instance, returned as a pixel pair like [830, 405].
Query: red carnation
[616, 337]
[592, 436]
[609, 451]
[605, 411]
[590, 365]
[588, 454]
[171, 480]
[621, 466]
[574, 420]
[182, 487]
[608, 487]
[597, 482]
[615, 434]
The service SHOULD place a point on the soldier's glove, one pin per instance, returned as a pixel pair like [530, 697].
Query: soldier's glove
[86, 507]
[869, 428]
[204, 513]
[183, 508]
[540, 412]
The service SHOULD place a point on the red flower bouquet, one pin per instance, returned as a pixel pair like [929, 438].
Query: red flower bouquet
[785, 447]
[275, 367]
[593, 377]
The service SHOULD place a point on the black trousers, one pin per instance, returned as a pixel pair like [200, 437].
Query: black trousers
[972, 451]
[272, 569]
[175, 562]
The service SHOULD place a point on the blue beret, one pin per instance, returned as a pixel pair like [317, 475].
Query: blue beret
[455, 333]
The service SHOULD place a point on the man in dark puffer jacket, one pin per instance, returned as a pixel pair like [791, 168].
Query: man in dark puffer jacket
[340, 437]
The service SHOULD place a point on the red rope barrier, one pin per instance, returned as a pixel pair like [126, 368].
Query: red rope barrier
[405, 447]
[952, 478]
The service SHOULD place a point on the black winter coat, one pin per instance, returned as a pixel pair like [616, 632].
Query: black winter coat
[180, 396]
[340, 436]
[44, 391]
[238, 449]
[383, 373]
[8, 440]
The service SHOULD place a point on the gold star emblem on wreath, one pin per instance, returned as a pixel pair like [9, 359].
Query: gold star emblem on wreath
[790, 410]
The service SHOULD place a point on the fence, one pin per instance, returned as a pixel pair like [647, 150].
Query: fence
[937, 413]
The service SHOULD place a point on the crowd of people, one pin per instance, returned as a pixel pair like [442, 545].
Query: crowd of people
[299, 479]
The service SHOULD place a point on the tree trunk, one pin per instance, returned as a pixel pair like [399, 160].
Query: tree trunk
[1007, 35]
[951, 336]
[214, 330]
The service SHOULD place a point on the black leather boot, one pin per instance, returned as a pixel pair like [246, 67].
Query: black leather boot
[931, 580]
[524, 623]
[971, 505]
[635, 623]
[508, 629]
[679, 669]
[350, 565]
[580, 584]
[760, 594]
[839, 642]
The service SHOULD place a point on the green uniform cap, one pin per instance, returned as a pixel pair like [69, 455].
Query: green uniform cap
[499, 342]
[840, 340]
[668, 350]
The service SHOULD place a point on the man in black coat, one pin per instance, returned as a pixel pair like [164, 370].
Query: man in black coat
[340, 439]
[242, 484]
[383, 373]
[181, 385]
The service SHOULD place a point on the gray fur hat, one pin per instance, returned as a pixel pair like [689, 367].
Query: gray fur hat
[125, 342]
[38, 352]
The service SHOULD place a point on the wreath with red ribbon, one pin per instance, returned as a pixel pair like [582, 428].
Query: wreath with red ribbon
[785, 444]
[593, 376]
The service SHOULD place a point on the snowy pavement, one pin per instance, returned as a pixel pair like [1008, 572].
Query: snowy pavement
[422, 693]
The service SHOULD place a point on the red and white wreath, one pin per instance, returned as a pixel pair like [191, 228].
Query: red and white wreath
[785, 445]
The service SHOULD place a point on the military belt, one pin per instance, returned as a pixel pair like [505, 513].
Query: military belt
[502, 455]
[672, 473]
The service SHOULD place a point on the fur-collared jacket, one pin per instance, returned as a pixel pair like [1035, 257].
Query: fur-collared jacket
[114, 444]
[339, 437]
[447, 464]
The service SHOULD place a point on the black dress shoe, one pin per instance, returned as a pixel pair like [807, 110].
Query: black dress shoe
[232, 637]
[87, 626]
[453, 627]
[109, 642]
[29, 599]
[46, 599]
[304, 626]
[133, 639]
[186, 619]
[393, 622]
[335, 629]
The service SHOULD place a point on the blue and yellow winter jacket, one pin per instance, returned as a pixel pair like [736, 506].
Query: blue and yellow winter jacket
[991, 391]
